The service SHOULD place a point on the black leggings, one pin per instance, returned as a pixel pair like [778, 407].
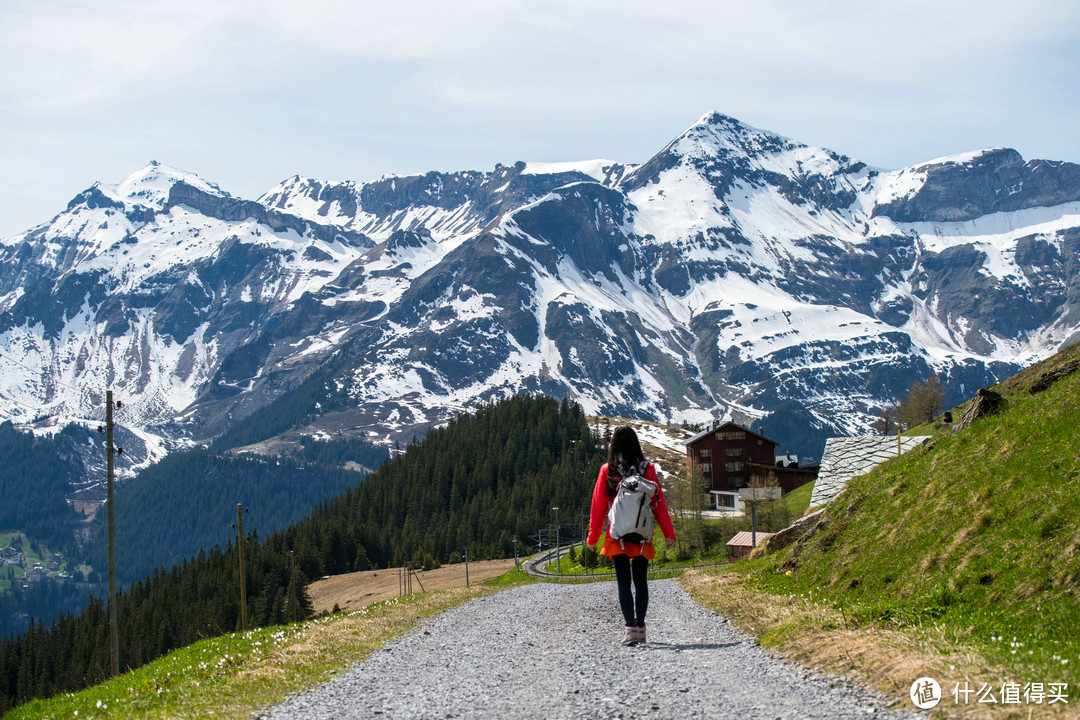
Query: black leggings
[634, 604]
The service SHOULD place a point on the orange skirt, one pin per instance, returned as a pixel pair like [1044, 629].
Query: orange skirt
[614, 547]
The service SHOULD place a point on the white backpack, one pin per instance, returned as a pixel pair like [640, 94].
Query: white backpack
[630, 517]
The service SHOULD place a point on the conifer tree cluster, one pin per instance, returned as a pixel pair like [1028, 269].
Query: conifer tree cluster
[198, 491]
[35, 479]
[478, 482]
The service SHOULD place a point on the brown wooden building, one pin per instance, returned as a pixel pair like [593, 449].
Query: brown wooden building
[731, 456]
[742, 544]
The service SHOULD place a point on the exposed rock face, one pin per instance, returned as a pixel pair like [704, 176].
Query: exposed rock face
[1049, 378]
[793, 532]
[992, 181]
[820, 524]
[986, 402]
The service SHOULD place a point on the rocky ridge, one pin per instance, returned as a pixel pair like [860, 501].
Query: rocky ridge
[736, 273]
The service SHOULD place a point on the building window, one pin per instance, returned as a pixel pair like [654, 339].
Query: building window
[704, 453]
[733, 435]
[734, 452]
[706, 468]
[734, 467]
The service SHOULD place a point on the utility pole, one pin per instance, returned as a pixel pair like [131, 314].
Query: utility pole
[515, 553]
[243, 583]
[292, 584]
[584, 546]
[114, 641]
[466, 566]
[558, 548]
[753, 524]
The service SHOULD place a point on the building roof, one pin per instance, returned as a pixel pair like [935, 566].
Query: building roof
[745, 539]
[846, 457]
[725, 426]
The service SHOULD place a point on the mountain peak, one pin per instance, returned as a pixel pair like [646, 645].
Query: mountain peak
[718, 131]
[723, 150]
[151, 185]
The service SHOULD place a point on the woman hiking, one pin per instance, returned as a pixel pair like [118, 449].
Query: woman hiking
[631, 559]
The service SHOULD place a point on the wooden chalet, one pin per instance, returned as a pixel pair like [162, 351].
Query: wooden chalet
[732, 457]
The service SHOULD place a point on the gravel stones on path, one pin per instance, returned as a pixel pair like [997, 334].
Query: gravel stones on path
[552, 651]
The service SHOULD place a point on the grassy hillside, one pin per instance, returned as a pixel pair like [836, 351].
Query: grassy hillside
[976, 534]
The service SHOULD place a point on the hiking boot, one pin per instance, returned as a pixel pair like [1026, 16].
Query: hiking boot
[630, 635]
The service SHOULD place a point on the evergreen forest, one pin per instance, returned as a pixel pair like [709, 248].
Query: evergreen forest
[481, 481]
[478, 482]
[35, 478]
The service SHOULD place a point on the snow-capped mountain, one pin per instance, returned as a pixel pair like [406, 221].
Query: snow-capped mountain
[735, 273]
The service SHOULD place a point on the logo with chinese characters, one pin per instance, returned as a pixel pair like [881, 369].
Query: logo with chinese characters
[1012, 693]
[925, 693]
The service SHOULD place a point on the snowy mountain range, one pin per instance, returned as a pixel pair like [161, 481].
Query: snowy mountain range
[736, 273]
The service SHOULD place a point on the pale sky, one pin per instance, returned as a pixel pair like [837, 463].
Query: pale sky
[246, 93]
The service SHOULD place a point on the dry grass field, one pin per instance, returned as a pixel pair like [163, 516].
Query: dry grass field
[353, 591]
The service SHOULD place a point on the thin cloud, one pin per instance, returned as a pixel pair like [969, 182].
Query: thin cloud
[248, 88]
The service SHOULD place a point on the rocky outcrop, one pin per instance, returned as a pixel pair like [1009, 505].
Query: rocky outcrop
[996, 180]
[986, 402]
[793, 532]
[232, 209]
[792, 563]
[1049, 378]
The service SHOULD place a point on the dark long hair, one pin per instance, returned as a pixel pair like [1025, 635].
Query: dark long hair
[624, 450]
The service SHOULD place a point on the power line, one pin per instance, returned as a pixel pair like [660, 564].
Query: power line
[34, 370]
[17, 402]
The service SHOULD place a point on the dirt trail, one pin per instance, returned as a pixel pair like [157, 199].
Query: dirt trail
[353, 591]
[549, 650]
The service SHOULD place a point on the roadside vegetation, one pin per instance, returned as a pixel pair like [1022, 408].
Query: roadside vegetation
[959, 560]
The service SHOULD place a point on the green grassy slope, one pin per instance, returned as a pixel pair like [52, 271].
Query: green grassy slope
[977, 532]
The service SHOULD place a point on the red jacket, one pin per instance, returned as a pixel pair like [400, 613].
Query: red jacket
[598, 517]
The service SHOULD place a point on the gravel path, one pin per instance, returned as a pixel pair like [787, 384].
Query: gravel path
[552, 651]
